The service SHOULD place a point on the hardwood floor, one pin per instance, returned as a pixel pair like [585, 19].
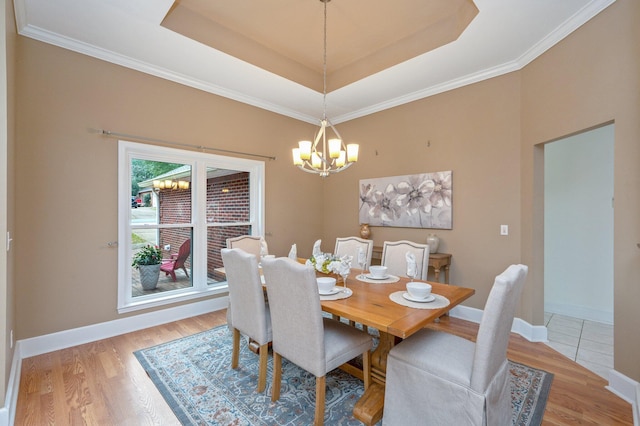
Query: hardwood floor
[102, 383]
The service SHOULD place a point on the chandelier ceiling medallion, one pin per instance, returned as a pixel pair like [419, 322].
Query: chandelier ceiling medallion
[314, 157]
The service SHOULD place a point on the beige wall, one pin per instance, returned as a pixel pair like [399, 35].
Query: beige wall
[475, 133]
[66, 176]
[591, 78]
[485, 133]
[7, 281]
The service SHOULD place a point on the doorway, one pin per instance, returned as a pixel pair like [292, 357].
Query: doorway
[578, 246]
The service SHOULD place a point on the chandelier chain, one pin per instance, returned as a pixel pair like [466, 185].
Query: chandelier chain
[324, 66]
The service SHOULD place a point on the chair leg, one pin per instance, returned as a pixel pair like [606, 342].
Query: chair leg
[185, 271]
[366, 369]
[262, 370]
[235, 354]
[277, 377]
[320, 396]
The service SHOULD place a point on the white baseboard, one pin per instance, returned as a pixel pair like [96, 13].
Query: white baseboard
[619, 384]
[8, 413]
[78, 336]
[622, 386]
[68, 338]
[533, 333]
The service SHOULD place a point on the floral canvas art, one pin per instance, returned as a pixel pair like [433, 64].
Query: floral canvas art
[411, 201]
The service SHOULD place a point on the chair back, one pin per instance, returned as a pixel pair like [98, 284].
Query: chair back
[183, 254]
[296, 315]
[394, 257]
[249, 243]
[495, 326]
[246, 296]
[349, 246]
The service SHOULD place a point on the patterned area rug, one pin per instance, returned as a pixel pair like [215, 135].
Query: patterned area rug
[193, 375]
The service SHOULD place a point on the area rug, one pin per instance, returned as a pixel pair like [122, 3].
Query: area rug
[193, 375]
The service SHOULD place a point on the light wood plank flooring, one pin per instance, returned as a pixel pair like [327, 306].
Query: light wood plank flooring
[102, 383]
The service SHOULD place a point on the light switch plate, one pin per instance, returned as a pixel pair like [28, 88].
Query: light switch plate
[504, 229]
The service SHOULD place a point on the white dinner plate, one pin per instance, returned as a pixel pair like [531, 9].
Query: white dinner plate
[371, 277]
[429, 298]
[333, 291]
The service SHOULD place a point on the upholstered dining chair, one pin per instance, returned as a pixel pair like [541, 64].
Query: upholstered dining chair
[438, 378]
[249, 313]
[393, 257]
[249, 243]
[349, 246]
[302, 335]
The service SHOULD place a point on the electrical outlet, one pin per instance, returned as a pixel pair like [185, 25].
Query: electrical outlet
[504, 229]
[167, 247]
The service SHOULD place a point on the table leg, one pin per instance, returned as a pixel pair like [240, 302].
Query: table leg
[369, 408]
[436, 272]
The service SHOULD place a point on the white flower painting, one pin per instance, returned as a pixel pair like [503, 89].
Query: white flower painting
[412, 201]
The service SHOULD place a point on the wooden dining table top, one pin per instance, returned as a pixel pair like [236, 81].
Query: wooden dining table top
[370, 305]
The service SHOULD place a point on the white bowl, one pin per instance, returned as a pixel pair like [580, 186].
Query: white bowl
[326, 284]
[418, 290]
[378, 271]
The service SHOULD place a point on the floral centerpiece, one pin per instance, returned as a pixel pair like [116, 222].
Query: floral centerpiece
[328, 263]
[148, 255]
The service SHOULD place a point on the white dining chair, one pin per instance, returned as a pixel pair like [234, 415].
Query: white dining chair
[394, 257]
[249, 314]
[349, 246]
[436, 378]
[302, 335]
[250, 243]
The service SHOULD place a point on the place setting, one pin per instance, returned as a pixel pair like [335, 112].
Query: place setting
[328, 290]
[377, 275]
[418, 294]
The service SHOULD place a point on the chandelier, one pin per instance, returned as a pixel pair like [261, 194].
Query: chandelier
[170, 184]
[314, 157]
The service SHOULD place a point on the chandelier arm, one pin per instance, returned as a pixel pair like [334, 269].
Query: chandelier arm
[323, 126]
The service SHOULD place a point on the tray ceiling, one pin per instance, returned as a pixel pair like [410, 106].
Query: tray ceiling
[380, 54]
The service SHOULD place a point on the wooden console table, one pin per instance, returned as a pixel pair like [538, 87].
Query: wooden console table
[437, 261]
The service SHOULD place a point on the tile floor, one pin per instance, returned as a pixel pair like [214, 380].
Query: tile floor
[588, 343]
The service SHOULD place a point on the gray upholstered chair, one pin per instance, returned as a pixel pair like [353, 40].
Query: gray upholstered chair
[393, 257]
[249, 243]
[436, 378]
[302, 335]
[250, 314]
[349, 246]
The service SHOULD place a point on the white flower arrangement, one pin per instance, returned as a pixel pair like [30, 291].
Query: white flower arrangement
[328, 263]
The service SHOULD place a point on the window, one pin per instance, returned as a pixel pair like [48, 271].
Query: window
[184, 205]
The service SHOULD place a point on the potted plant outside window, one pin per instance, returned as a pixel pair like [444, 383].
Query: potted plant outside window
[148, 261]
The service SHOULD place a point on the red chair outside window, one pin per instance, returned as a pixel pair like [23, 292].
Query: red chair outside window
[177, 260]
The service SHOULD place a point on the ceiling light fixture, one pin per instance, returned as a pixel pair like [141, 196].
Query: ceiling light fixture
[310, 156]
[170, 184]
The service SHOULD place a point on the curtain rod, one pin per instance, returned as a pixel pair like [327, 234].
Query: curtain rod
[111, 134]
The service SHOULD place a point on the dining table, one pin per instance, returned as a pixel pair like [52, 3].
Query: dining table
[379, 304]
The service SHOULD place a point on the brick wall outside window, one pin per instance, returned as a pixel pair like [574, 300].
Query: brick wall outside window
[227, 202]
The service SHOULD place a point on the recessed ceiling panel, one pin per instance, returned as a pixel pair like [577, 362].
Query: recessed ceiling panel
[286, 36]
